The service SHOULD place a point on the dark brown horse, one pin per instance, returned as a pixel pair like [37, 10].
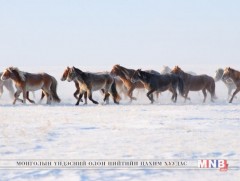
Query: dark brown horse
[125, 75]
[153, 82]
[26, 82]
[235, 76]
[196, 83]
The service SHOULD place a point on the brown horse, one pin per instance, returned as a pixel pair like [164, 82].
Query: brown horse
[125, 75]
[196, 83]
[235, 76]
[26, 82]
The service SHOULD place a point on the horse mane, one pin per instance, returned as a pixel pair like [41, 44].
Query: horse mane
[235, 72]
[144, 73]
[79, 72]
[21, 74]
[124, 70]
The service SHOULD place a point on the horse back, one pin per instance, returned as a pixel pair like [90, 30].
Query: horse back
[98, 81]
[198, 82]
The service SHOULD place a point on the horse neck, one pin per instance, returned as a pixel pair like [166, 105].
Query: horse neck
[122, 76]
[16, 77]
[236, 75]
[185, 75]
[128, 73]
[146, 74]
[81, 77]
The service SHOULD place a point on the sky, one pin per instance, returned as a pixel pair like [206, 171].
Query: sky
[126, 32]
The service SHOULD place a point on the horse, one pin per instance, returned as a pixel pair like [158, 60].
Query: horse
[90, 82]
[154, 82]
[125, 75]
[196, 83]
[77, 85]
[235, 76]
[26, 82]
[8, 84]
[228, 82]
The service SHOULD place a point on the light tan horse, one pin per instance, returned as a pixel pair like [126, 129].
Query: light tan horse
[196, 83]
[235, 76]
[26, 82]
[8, 84]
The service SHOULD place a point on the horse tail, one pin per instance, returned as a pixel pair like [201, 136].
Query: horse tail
[181, 86]
[116, 96]
[212, 88]
[53, 89]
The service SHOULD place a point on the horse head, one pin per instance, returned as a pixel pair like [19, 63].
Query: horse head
[218, 74]
[228, 73]
[176, 70]
[136, 76]
[65, 74]
[71, 74]
[6, 74]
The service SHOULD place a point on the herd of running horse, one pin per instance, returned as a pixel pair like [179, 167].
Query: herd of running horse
[120, 81]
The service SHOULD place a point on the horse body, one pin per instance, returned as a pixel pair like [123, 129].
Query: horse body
[235, 76]
[90, 82]
[26, 82]
[161, 83]
[196, 83]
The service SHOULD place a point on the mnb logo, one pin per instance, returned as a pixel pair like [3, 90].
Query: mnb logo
[221, 164]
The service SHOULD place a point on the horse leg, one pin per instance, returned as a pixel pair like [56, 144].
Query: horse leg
[175, 95]
[42, 96]
[229, 92]
[24, 96]
[205, 95]
[16, 95]
[27, 96]
[130, 91]
[235, 92]
[90, 97]
[150, 96]
[1, 90]
[186, 96]
[76, 94]
[48, 97]
[85, 98]
[106, 98]
[79, 98]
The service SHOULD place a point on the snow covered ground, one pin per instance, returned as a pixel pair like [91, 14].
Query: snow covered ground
[139, 130]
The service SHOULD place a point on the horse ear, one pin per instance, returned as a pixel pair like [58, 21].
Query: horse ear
[139, 72]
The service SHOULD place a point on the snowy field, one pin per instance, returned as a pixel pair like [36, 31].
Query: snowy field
[165, 130]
